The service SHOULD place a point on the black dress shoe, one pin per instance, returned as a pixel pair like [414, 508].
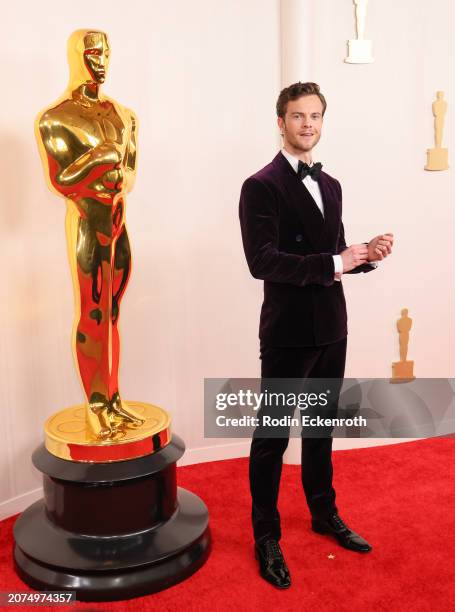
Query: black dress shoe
[336, 527]
[272, 565]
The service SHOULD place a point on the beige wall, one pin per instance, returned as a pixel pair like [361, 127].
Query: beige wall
[378, 127]
[203, 80]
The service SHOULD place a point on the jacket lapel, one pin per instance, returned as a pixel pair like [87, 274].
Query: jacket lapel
[332, 212]
[301, 201]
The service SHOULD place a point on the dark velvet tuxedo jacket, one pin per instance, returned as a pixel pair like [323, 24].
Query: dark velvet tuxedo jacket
[290, 245]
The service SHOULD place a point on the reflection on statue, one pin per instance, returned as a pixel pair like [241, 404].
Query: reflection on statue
[438, 158]
[360, 49]
[88, 146]
[402, 370]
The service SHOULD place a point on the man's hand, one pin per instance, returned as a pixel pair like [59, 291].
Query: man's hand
[354, 256]
[379, 247]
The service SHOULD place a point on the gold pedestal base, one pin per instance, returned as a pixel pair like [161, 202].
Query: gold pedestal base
[402, 371]
[68, 437]
[437, 159]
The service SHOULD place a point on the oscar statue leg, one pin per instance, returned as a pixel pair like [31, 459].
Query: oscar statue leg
[121, 270]
[92, 336]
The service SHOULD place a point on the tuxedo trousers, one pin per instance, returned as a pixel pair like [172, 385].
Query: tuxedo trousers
[266, 454]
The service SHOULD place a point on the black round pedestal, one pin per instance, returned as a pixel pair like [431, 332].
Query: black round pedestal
[111, 531]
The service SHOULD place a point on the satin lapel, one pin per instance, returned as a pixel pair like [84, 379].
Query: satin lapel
[301, 201]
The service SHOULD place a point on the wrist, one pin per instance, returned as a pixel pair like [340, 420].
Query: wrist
[371, 255]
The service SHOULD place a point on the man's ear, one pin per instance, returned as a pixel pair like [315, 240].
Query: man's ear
[280, 123]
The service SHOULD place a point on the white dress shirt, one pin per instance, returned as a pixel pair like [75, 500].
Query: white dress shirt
[313, 188]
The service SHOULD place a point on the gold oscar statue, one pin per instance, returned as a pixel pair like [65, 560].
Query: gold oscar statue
[360, 49]
[438, 158]
[402, 371]
[112, 523]
[87, 143]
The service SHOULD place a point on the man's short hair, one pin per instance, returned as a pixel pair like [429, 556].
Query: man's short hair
[296, 91]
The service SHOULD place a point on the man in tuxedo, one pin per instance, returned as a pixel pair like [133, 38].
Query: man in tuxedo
[293, 237]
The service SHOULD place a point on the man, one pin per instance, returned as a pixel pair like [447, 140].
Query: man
[293, 237]
[88, 147]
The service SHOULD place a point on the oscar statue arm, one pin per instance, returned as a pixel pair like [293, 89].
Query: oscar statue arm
[68, 162]
[106, 156]
[130, 157]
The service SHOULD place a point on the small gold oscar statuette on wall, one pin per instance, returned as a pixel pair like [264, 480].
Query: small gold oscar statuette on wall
[438, 158]
[360, 49]
[403, 370]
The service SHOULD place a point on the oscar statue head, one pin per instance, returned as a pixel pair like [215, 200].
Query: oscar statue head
[88, 57]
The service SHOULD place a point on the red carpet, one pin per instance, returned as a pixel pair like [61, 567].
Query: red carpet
[399, 497]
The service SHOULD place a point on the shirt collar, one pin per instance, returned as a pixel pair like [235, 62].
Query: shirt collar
[294, 161]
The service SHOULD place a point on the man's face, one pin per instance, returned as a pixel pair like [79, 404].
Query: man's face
[302, 124]
[96, 57]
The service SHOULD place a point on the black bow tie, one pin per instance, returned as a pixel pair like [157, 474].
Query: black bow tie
[304, 169]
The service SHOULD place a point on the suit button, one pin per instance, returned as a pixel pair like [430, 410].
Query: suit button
[299, 238]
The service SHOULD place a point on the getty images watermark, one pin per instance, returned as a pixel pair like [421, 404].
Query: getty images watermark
[348, 408]
[277, 401]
